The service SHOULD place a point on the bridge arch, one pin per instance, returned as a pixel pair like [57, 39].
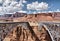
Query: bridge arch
[48, 31]
[27, 31]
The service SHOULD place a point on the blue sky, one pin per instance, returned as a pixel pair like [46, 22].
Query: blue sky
[53, 4]
[28, 6]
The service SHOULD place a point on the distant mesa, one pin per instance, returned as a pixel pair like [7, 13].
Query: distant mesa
[24, 17]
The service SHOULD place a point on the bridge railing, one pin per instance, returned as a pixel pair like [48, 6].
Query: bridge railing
[54, 29]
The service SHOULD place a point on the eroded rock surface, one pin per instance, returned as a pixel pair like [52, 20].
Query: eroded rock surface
[31, 34]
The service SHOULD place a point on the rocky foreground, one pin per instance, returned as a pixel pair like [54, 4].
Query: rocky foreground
[32, 33]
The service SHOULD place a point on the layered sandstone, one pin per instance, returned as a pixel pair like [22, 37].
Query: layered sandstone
[34, 18]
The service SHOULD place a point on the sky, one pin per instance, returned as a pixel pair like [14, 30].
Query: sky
[29, 6]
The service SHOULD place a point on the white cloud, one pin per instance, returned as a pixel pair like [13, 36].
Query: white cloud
[37, 6]
[1, 1]
[22, 11]
[22, 1]
[13, 3]
[34, 12]
[11, 6]
[0, 9]
[58, 10]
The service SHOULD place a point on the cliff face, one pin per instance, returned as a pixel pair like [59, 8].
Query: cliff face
[38, 17]
[23, 17]
[34, 18]
[32, 33]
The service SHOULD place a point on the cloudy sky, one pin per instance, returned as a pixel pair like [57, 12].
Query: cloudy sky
[28, 6]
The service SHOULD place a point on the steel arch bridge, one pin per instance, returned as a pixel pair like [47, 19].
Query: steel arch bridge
[51, 27]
